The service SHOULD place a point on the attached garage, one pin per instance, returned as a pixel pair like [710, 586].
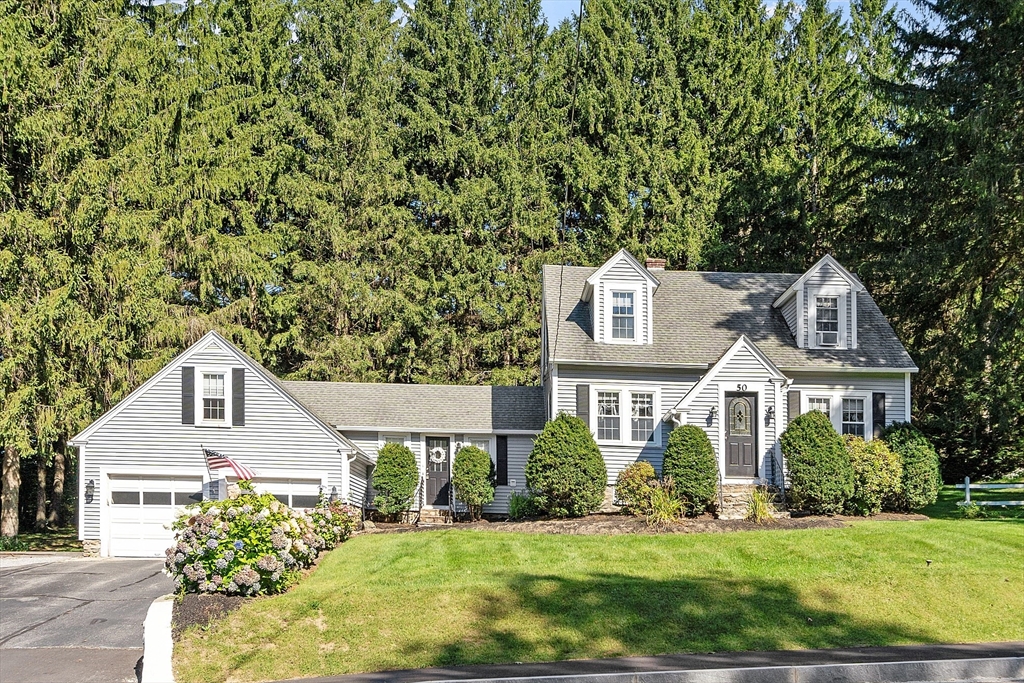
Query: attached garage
[140, 511]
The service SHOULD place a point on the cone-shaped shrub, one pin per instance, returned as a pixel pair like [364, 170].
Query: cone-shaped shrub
[471, 477]
[690, 461]
[565, 469]
[394, 479]
[820, 475]
[921, 477]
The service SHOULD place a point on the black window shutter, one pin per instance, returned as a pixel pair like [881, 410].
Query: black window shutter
[793, 404]
[583, 402]
[877, 414]
[188, 395]
[502, 457]
[238, 397]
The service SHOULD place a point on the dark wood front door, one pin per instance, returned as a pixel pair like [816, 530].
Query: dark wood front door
[438, 471]
[740, 435]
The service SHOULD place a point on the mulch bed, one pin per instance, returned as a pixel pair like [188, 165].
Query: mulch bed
[611, 524]
[201, 610]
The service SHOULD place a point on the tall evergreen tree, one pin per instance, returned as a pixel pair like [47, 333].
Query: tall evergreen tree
[952, 226]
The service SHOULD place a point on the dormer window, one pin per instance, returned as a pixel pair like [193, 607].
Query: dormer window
[623, 318]
[826, 320]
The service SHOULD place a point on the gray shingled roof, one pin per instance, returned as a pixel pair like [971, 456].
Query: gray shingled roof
[698, 315]
[423, 406]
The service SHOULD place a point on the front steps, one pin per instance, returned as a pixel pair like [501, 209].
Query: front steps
[429, 517]
[735, 498]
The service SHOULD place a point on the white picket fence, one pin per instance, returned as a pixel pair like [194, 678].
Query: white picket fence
[967, 486]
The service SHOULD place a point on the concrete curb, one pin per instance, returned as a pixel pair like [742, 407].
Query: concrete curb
[946, 671]
[158, 645]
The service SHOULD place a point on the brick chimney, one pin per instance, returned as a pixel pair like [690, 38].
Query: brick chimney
[655, 264]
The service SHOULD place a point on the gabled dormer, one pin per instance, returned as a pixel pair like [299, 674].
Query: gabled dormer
[821, 306]
[620, 294]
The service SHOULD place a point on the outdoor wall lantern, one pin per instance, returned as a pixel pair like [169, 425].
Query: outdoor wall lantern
[769, 415]
[712, 414]
[90, 490]
[334, 493]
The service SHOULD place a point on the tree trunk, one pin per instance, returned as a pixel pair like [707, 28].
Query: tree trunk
[56, 517]
[40, 524]
[9, 492]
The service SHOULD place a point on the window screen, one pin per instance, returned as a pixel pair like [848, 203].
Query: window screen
[642, 428]
[608, 415]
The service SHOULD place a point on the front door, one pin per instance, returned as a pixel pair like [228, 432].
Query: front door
[740, 435]
[438, 472]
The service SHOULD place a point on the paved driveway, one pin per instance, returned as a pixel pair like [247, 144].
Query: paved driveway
[66, 619]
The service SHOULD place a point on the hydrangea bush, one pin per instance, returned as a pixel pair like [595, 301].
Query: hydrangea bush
[252, 544]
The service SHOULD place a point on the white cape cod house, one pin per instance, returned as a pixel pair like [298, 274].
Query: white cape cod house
[634, 350]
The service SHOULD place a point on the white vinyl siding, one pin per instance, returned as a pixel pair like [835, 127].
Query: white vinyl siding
[826, 282]
[746, 370]
[851, 385]
[147, 435]
[622, 276]
[790, 313]
[670, 386]
[519, 448]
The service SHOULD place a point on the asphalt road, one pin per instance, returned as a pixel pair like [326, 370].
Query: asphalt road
[70, 619]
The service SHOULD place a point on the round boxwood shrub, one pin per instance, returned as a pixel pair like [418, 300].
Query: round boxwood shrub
[691, 463]
[877, 476]
[634, 487]
[921, 477]
[471, 477]
[252, 544]
[394, 479]
[820, 475]
[565, 469]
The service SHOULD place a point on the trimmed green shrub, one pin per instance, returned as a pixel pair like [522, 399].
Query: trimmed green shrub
[565, 469]
[690, 461]
[252, 544]
[877, 476]
[921, 477]
[471, 477]
[394, 479]
[820, 475]
[633, 487]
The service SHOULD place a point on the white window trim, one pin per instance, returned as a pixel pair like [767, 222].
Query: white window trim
[228, 405]
[812, 317]
[640, 326]
[836, 407]
[384, 436]
[626, 415]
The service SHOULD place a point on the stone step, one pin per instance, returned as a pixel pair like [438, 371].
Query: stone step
[434, 517]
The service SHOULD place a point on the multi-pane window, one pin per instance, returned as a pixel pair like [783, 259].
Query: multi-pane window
[623, 318]
[213, 396]
[482, 444]
[826, 321]
[643, 417]
[608, 415]
[822, 404]
[394, 438]
[853, 416]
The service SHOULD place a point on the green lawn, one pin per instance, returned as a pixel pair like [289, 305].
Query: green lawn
[59, 540]
[456, 597]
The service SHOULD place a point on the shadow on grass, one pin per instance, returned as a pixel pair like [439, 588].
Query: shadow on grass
[604, 615]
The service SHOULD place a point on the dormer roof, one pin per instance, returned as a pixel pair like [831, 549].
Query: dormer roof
[621, 256]
[827, 260]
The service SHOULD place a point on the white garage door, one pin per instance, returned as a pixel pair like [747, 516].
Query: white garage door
[296, 493]
[141, 509]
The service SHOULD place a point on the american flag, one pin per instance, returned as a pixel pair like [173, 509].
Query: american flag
[219, 461]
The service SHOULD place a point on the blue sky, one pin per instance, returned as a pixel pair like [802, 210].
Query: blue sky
[556, 10]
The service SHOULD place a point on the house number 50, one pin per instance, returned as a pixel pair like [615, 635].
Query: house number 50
[741, 387]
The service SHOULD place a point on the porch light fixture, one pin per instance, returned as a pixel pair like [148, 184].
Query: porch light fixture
[334, 493]
[712, 414]
[769, 415]
[90, 490]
